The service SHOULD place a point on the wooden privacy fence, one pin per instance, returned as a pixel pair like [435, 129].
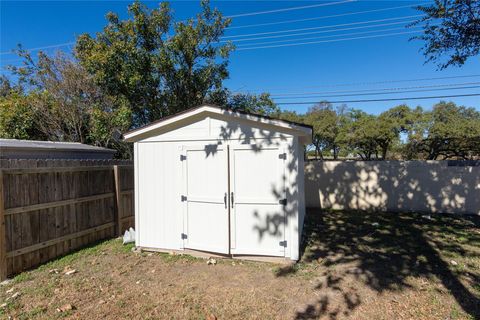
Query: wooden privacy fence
[51, 207]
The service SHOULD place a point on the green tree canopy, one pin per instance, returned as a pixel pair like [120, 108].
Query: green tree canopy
[63, 103]
[260, 104]
[373, 137]
[17, 118]
[361, 135]
[448, 131]
[323, 118]
[158, 73]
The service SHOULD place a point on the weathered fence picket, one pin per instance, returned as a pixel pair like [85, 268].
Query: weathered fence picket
[51, 207]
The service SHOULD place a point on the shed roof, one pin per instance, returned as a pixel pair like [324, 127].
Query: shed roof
[50, 145]
[137, 134]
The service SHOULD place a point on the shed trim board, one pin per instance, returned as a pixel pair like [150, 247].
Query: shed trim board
[176, 120]
[218, 181]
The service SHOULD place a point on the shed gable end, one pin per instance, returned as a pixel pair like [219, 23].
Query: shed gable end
[216, 127]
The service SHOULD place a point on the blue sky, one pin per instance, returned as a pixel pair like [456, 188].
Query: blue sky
[371, 63]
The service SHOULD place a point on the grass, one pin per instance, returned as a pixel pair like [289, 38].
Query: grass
[350, 268]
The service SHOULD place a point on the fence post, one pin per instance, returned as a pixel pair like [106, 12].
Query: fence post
[3, 235]
[118, 201]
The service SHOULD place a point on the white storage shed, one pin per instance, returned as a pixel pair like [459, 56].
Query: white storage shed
[222, 182]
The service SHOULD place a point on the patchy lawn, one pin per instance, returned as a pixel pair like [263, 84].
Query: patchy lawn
[354, 265]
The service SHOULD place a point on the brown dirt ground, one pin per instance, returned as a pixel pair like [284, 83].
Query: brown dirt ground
[400, 269]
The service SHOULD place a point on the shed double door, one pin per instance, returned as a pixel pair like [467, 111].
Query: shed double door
[234, 199]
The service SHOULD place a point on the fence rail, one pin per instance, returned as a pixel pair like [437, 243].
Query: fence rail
[51, 207]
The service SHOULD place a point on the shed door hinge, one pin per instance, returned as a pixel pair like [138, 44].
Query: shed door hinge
[282, 156]
[283, 202]
[182, 157]
[184, 198]
[283, 243]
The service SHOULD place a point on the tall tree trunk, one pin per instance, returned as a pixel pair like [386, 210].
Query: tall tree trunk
[384, 152]
[335, 152]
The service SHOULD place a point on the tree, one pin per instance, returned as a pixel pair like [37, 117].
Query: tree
[448, 131]
[451, 31]
[196, 59]
[391, 124]
[65, 104]
[373, 137]
[158, 74]
[289, 115]
[5, 86]
[323, 119]
[361, 135]
[17, 118]
[260, 104]
[327, 123]
[131, 73]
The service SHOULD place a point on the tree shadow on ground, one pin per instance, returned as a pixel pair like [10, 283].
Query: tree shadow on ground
[382, 250]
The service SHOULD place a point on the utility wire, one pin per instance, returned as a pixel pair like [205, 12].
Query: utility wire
[377, 93]
[288, 9]
[252, 13]
[322, 27]
[317, 38]
[318, 18]
[256, 13]
[381, 89]
[351, 84]
[326, 41]
[322, 31]
[44, 47]
[258, 38]
[231, 16]
[390, 99]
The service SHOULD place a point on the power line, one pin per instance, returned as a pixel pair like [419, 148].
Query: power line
[380, 100]
[323, 31]
[256, 13]
[288, 9]
[378, 82]
[318, 38]
[326, 41]
[377, 93]
[322, 27]
[231, 16]
[251, 14]
[44, 47]
[380, 89]
[240, 48]
[318, 18]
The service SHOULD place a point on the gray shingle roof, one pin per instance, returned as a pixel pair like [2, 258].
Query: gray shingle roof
[50, 145]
